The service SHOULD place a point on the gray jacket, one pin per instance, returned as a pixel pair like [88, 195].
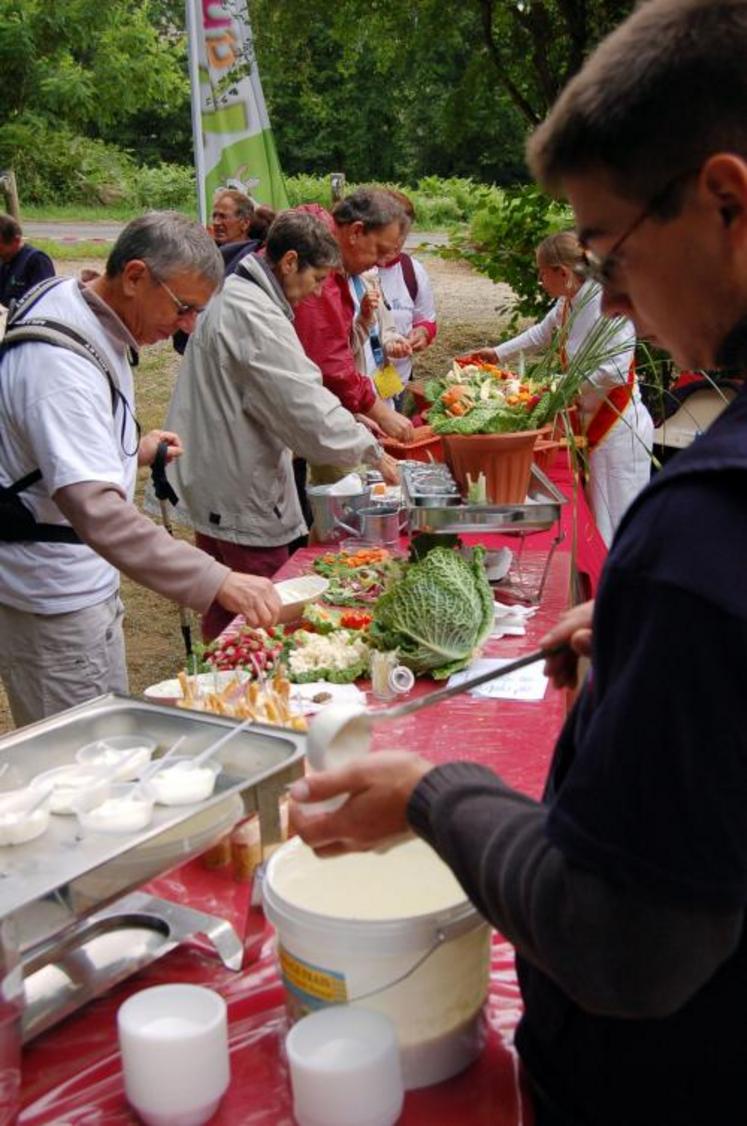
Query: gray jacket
[247, 395]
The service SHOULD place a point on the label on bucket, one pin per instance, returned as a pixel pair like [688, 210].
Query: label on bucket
[311, 987]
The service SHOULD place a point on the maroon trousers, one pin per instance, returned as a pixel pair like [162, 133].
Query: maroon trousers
[263, 561]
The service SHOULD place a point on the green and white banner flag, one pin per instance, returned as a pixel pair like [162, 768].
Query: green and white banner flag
[233, 141]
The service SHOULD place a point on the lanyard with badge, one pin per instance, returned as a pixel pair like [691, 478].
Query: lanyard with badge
[386, 377]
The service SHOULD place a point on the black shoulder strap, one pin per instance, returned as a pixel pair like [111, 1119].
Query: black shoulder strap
[408, 273]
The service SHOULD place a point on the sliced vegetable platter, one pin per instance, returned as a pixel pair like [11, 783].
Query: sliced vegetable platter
[436, 609]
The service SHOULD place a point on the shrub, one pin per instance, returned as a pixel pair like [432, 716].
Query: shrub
[165, 186]
[504, 234]
[56, 165]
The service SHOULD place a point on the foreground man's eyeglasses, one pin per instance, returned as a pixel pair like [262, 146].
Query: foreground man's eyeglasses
[602, 269]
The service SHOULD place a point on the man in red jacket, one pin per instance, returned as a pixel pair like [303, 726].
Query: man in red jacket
[367, 227]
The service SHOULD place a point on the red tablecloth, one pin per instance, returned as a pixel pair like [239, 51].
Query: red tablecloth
[72, 1073]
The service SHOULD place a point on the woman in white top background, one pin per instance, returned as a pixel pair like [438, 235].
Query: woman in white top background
[409, 295]
[617, 425]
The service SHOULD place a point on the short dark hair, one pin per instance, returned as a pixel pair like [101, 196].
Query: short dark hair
[308, 236]
[10, 228]
[373, 207]
[662, 93]
[169, 242]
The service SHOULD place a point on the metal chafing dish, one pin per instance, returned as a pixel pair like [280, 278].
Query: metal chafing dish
[432, 510]
[62, 893]
[434, 504]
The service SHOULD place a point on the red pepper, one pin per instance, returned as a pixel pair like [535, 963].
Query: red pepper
[355, 619]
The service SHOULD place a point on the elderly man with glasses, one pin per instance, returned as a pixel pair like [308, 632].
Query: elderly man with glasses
[625, 891]
[70, 447]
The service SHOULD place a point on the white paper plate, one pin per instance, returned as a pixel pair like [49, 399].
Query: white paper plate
[295, 593]
[169, 691]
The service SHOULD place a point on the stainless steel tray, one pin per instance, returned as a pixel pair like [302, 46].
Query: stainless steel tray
[540, 511]
[81, 871]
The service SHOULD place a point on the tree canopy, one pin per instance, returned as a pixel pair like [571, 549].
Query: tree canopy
[389, 90]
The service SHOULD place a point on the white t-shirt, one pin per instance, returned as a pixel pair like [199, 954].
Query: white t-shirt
[56, 415]
[405, 311]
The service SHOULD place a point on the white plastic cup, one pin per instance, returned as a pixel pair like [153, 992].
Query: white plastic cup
[345, 1068]
[174, 1045]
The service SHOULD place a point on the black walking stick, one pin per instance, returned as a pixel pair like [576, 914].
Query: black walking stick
[166, 495]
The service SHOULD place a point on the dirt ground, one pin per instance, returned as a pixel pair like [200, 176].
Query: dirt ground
[470, 316]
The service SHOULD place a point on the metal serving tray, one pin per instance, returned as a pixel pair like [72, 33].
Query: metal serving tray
[537, 514]
[80, 871]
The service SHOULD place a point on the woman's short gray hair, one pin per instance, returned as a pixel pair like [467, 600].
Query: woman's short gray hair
[170, 243]
[373, 207]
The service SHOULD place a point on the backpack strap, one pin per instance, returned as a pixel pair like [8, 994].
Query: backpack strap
[62, 335]
[21, 305]
[409, 275]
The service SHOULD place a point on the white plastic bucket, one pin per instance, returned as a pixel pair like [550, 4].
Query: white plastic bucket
[427, 970]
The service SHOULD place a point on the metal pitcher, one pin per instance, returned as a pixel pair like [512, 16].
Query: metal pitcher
[381, 524]
[333, 515]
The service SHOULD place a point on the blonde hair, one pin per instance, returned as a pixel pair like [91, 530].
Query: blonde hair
[561, 249]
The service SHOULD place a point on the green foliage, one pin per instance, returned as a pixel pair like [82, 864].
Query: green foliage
[52, 162]
[504, 235]
[438, 202]
[163, 186]
[438, 615]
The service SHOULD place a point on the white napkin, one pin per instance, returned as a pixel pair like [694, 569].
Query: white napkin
[302, 695]
[510, 620]
[349, 486]
[529, 683]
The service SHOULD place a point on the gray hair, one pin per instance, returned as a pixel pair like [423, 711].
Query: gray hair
[373, 207]
[170, 243]
[299, 231]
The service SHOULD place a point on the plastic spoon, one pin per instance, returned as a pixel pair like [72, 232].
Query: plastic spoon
[154, 768]
[198, 760]
[341, 732]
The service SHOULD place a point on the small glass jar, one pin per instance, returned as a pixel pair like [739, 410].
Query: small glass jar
[388, 677]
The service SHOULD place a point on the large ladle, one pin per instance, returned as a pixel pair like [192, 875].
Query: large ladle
[341, 732]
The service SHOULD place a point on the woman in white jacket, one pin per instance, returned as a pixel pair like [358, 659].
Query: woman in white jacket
[617, 425]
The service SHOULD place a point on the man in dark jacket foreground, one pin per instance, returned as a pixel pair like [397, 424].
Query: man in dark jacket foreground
[624, 891]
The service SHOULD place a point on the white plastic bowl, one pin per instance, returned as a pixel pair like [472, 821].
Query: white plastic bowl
[180, 785]
[16, 827]
[119, 813]
[345, 1068]
[72, 787]
[295, 593]
[116, 754]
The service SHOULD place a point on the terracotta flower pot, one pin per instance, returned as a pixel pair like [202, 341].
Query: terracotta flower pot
[505, 459]
[546, 453]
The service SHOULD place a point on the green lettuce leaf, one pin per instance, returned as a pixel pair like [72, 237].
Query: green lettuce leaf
[438, 615]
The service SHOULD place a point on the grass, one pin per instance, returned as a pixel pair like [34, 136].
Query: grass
[86, 213]
[72, 251]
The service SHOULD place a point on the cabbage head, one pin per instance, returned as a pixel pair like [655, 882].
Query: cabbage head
[438, 615]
